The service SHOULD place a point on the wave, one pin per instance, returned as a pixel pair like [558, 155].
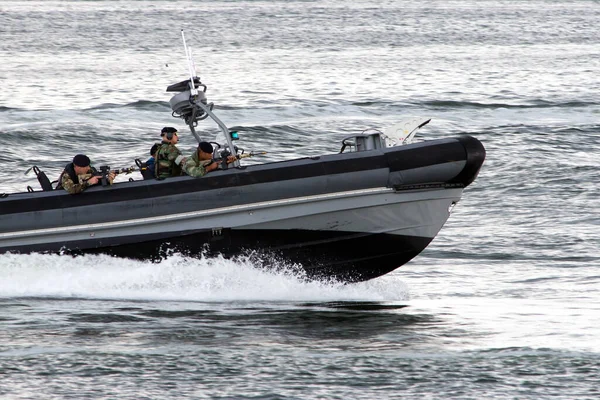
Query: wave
[534, 104]
[149, 105]
[175, 278]
[138, 105]
[275, 129]
[275, 105]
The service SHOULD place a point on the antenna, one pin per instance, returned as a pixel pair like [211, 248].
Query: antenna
[191, 67]
[192, 61]
[192, 106]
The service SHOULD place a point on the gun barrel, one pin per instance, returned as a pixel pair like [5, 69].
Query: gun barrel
[127, 170]
[251, 154]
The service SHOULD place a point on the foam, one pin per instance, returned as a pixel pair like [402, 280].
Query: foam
[176, 278]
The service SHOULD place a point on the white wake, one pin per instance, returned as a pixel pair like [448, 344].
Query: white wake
[175, 278]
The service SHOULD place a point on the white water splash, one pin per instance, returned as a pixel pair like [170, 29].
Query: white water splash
[174, 278]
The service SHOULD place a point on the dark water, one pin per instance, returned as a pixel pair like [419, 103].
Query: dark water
[502, 304]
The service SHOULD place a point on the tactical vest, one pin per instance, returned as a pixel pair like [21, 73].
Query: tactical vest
[165, 161]
[69, 170]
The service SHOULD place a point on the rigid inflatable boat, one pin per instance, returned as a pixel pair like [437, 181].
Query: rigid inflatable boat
[351, 216]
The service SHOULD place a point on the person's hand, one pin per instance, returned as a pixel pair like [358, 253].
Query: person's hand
[111, 177]
[93, 180]
[212, 166]
[231, 159]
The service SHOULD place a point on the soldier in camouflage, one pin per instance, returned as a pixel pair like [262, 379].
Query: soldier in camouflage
[168, 156]
[200, 163]
[79, 175]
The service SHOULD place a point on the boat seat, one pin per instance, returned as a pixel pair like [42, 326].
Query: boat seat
[43, 179]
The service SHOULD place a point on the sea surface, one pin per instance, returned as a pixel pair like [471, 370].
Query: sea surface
[504, 303]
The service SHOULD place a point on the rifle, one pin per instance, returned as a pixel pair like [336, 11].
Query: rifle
[105, 171]
[225, 153]
[251, 154]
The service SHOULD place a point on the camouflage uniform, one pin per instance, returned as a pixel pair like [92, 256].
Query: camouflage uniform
[165, 166]
[73, 183]
[195, 167]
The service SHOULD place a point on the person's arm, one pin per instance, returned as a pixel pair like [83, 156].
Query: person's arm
[190, 167]
[75, 188]
[174, 152]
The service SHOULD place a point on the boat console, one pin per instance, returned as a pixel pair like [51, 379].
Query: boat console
[363, 142]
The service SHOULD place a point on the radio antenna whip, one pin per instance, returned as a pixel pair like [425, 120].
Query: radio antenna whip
[191, 67]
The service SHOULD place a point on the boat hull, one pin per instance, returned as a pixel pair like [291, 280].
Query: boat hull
[346, 217]
[349, 236]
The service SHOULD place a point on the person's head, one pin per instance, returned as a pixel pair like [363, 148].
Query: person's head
[81, 164]
[205, 151]
[154, 149]
[169, 134]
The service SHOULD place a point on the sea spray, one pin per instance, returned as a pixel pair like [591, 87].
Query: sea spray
[176, 277]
